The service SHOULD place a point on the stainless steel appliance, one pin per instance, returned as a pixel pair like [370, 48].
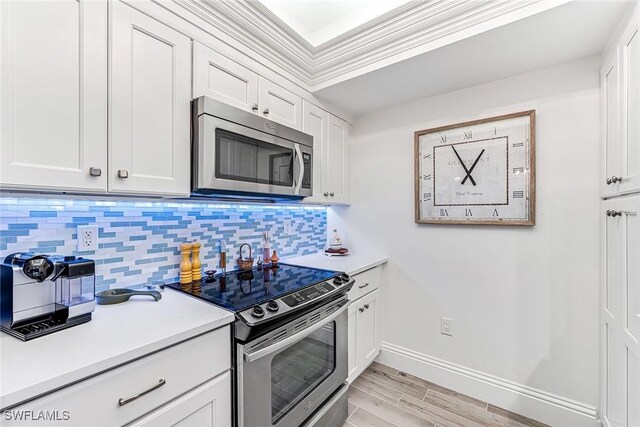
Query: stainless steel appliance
[237, 153]
[42, 294]
[290, 341]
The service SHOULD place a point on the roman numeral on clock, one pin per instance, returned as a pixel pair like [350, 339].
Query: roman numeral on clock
[495, 212]
[427, 177]
[426, 156]
[443, 138]
[518, 170]
[468, 134]
[444, 212]
[518, 144]
[467, 212]
[518, 194]
[427, 197]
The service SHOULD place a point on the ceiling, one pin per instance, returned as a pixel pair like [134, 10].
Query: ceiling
[319, 21]
[572, 31]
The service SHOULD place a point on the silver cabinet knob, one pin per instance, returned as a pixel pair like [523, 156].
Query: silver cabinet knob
[366, 306]
[613, 213]
[332, 194]
[122, 173]
[265, 112]
[254, 107]
[95, 171]
[361, 309]
[613, 180]
[326, 194]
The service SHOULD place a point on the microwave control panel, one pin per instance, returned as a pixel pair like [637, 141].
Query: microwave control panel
[306, 178]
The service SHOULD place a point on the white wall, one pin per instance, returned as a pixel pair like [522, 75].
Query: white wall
[524, 301]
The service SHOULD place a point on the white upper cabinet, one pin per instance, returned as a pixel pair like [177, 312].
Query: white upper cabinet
[315, 122]
[53, 123]
[336, 158]
[149, 143]
[218, 77]
[278, 104]
[330, 151]
[620, 86]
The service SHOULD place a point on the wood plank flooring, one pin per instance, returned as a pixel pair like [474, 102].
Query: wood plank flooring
[385, 397]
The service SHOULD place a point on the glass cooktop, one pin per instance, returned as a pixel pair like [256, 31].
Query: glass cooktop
[239, 290]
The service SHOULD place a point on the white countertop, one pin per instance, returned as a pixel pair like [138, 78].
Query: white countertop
[351, 264]
[117, 334]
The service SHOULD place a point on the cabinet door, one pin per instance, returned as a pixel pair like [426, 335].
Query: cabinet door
[368, 329]
[336, 159]
[149, 144]
[53, 102]
[621, 312]
[315, 123]
[630, 149]
[610, 130]
[208, 405]
[219, 77]
[354, 355]
[280, 105]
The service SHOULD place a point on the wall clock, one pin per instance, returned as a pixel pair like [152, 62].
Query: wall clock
[477, 172]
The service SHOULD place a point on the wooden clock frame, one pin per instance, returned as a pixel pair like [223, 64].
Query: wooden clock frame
[531, 184]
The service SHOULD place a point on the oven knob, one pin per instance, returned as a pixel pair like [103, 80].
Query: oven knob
[345, 277]
[257, 312]
[337, 281]
[273, 306]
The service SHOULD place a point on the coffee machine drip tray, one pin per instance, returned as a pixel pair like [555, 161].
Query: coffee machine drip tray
[48, 324]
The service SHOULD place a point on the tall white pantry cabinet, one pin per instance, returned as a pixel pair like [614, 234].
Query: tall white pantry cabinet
[620, 228]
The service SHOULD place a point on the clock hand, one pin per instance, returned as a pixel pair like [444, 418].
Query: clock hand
[471, 169]
[463, 166]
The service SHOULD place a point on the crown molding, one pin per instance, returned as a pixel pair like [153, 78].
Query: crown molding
[409, 30]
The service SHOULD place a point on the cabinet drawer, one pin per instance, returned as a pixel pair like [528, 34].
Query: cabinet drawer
[182, 367]
[366, 282]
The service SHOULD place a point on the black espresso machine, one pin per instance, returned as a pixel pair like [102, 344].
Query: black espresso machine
[42, 294]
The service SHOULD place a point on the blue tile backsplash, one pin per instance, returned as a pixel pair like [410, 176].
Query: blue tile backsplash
[138, 240]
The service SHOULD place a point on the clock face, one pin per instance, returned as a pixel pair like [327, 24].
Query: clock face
[479, 172]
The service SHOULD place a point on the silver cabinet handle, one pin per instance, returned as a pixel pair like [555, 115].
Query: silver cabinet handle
[265, 112]
[326, 194]
[613, 213]
[95, 171]
[363, 286]
[361, 309]
[332, 194]
[254, 107]
[366, 306]
[122, 173]
[123, 402]
[613, 180]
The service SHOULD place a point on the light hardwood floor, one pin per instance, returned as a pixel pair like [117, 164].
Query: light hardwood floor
[385, 397]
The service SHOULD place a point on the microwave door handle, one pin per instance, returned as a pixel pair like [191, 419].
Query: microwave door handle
[280, 345]
[298, 182]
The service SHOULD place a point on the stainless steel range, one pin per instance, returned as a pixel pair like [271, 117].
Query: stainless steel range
[290, 341]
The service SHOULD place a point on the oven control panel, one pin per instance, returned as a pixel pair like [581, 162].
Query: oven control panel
[300, 297]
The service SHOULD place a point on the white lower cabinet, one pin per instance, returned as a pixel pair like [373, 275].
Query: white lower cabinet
[164, 382]
[620, 312]
[208, 405]
[365, 338]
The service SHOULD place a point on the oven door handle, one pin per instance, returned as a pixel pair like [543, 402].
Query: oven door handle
[298, 182]
[252, 357]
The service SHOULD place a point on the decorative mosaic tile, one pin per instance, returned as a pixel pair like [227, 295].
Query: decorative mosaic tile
[138, 240]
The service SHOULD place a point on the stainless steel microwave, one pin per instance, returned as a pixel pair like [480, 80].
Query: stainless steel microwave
[238, 153]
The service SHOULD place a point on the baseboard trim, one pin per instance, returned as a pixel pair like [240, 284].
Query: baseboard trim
[543, 406]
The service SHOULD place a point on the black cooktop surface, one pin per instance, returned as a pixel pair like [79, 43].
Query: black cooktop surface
[239, 290]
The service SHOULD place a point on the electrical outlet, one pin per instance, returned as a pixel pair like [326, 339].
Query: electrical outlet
[288, 227]
[87, 238]
[445, 326]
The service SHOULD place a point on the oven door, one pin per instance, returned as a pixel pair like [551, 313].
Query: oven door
[282, 384]
[235, 158]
